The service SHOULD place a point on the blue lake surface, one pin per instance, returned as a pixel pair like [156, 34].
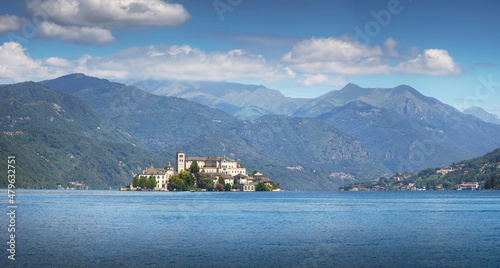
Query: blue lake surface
[254, 229]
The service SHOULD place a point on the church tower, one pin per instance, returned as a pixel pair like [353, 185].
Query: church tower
[181, 161]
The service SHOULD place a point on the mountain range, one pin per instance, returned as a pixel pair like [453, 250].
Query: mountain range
[300, 153]
[99, 132]
[423, 131]
[482, 114]
[404, 129]
[57, 138]
[242, 101]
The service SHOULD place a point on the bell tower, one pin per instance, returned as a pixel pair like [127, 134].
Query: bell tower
[181, 161]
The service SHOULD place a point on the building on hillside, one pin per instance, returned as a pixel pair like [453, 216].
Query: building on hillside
[445, 170]
[245, 183]
[162, 175]
[468, 186]
[259, 177]
[211, 164]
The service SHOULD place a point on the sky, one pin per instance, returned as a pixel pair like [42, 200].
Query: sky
[304, 48]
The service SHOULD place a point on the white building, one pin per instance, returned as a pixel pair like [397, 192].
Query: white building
[162, 175]
[211, 164]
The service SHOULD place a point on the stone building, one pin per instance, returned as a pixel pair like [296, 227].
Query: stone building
[211, 164]
[162, 175]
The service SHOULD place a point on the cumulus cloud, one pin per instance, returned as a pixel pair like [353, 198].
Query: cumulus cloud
[76, 34]
[345, 56]
[16, 65]
[117, 12]
[140, 63]
[330, 49]
[91, 22]
[431, 62]
[9, 23]
[187, 63]
[57, 62]
[311, 80]
[336, 55]
[390, 46]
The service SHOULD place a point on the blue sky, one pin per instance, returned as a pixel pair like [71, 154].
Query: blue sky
[304, 48]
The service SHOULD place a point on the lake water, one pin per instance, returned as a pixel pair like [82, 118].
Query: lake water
[254, 229]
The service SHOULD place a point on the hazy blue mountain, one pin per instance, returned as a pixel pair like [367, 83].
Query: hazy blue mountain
[172, 123]
[391, 137]
[242, 101]
[157, 120]
[439, 124]
[303, 153]
[57, 138]
[482, 114]
[32, 104]
[403, 99]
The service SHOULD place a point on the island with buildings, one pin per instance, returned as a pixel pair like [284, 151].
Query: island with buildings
[213, 173]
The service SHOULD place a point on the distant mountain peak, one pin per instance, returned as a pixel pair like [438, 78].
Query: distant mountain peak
[482, 114]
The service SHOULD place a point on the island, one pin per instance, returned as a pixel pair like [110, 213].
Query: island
[213, 173]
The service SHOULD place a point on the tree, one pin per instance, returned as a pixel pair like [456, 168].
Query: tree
[261, 186]
[206, 183]
[253, 173]
[194, 167]
[487, 184]
[187, 177]
[152, 182]
[177, 184]
[143, 182]
[219, 187]
[221, 181]
[135, 182]
[227, 187]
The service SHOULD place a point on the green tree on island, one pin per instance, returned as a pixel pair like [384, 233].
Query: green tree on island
[152, 182]
[177, 184]
[206, 183]
[194, 167]
[143, 182]
[187, 177]
[227, 187]
[220, 185]
[135, 182]
[261, 186]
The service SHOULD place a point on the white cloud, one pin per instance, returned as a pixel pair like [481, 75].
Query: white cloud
[336, 55]
[330, 49]
[57, 62]
[76, 34]
[140, 63]
[390, 46]
[311, 80]
[107, 12]
[346, 56]
[431, 62]
[16, 66]
[187, 63]
[9, 23]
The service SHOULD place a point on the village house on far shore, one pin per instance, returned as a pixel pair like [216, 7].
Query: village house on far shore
[213, 167]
